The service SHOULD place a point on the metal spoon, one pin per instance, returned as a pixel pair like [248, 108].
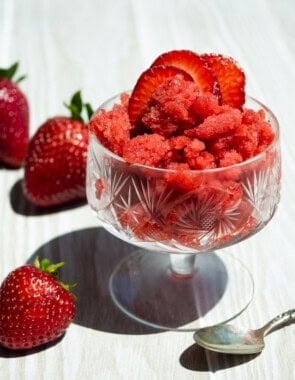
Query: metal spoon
[235, 340]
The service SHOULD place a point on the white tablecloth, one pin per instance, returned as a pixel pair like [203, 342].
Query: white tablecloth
[101, 47]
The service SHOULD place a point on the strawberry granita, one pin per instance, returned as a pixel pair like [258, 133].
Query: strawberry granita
[218, 136]
[146, 149]
[112, 128]
[169, 108]
[197, 142]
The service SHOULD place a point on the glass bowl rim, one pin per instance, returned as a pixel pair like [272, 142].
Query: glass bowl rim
[274, 123]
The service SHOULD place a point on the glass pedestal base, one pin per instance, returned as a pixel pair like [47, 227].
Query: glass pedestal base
[144, 287]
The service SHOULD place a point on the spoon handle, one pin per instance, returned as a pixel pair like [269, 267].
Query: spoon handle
[279, 320]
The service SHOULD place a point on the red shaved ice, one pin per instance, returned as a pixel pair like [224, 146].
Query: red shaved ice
[112, 128]
[146, 149]
[216, 125]
[187, 132]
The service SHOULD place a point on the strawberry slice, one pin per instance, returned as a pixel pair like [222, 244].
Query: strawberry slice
[231, 79]
[194, 65]
[146, 85]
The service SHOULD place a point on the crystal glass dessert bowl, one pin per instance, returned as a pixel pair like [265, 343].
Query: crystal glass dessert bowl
[178, 219]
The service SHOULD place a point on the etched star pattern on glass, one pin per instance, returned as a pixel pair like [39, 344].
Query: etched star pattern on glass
[184, 213]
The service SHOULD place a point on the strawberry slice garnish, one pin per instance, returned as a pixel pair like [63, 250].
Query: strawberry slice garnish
[147, 84]
[194, 65]
[231, 79]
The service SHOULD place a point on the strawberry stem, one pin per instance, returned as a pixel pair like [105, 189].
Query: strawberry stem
[22, 77]
[77, 106]
[52, 268]
[45, 266]
[89, 110]
[10, 72]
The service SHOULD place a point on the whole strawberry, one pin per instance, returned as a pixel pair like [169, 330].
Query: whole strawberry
[14, 119]
[55, 166]
[35, 308]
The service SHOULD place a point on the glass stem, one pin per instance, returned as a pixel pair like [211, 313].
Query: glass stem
[182, 265]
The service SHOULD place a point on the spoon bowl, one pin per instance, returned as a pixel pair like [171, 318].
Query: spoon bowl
[231, 339]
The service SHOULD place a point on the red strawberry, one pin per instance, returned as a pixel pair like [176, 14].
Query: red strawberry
[35, 307]
[14, 119]
[231, 79]
[146, 85]
[55, 166]
[194, 65]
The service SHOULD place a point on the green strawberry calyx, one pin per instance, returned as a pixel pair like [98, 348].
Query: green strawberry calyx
[45, 266]
[10, 72]
[77, 106]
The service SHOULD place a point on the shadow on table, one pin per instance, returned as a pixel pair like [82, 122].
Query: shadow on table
[91, 256]
[4, 166]
[6, 353]
[21, 205]
[198, 359]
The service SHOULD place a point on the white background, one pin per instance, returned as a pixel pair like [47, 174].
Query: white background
[101, 47]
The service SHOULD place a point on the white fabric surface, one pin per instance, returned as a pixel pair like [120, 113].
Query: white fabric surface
[101, 47]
